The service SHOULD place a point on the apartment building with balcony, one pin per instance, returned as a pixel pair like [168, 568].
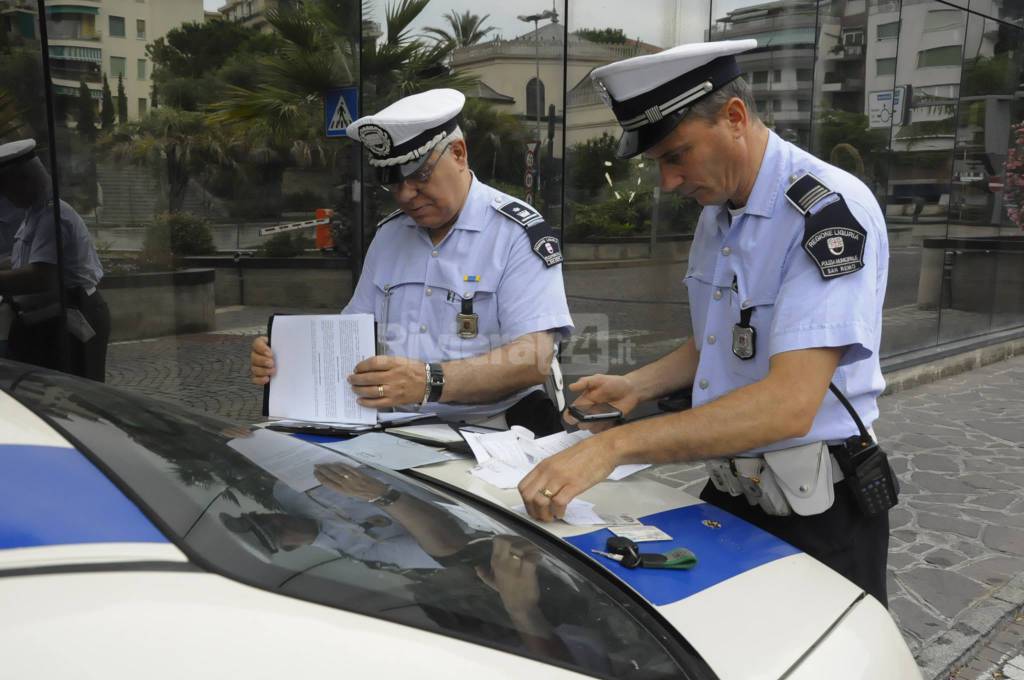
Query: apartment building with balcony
[92, 38]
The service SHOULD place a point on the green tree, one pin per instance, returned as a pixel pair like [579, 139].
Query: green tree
[154, 98]
[846, 137]
[85, 113]
[587, 165]
[610, 36]
[178, 145]
[463, 29]
[21, 76]
[122, 101]
[106, 106]
[10, 121]
[192, 64]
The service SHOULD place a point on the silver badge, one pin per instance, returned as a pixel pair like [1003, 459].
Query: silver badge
[743, 339]
[376, 139]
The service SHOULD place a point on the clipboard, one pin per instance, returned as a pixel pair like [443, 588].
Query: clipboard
[265, 407]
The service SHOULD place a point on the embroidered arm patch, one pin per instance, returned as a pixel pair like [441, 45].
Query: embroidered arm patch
[542, 237]
[835, 240]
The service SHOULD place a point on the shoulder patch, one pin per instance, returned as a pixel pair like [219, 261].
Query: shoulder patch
[542, 237]
[389, 218]
[835, 240]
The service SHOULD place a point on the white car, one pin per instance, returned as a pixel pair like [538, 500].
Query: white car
[139, 539]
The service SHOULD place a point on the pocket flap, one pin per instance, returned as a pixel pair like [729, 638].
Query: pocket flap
[805, 475]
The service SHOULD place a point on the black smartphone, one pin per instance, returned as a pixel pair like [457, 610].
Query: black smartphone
[595, 412]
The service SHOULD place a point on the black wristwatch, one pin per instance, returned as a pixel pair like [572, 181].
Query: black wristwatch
[435, 382]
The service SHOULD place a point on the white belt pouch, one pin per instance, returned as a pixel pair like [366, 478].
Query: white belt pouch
[804, 473]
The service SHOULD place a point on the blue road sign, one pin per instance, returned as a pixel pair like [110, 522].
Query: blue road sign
[341, 107]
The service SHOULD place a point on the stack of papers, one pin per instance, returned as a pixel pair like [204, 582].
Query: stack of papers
[388, 451]
[504, 458]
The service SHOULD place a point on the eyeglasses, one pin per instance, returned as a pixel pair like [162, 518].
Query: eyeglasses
[422, 175]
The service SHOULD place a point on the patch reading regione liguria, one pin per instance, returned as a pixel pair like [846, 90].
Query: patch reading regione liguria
[542, 237]
[835, 240]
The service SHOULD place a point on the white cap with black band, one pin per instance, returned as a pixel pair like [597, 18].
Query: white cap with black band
[651, 94]
[401, 136]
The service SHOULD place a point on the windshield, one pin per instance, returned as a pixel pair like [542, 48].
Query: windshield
[325, 528]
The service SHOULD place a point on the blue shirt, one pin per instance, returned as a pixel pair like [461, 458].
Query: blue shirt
[793, 307]
[36, 241]
[485, 256]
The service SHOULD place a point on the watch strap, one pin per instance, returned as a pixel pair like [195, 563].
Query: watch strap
[435, 381]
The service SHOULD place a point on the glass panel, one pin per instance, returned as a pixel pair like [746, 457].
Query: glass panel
[854, 113]
[32, 275]
[626, 243]
[983, 255]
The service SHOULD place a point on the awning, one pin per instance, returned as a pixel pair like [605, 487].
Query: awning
[73, 91]
[72, 9]
[75, 53]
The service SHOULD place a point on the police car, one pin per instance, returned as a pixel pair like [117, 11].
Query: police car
[142, 539]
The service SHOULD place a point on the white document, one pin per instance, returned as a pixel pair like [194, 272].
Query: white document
[435, 432]
[289, 459]
[578, 513]
[504, 458]
[388, 451]
[314, 355]
[640, 533]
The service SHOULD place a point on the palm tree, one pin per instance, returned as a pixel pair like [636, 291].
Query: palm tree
[180, 145]
[466, 29]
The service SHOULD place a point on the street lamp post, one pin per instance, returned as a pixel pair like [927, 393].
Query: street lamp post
[536, 18]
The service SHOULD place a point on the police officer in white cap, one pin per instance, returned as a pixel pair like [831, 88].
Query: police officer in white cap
[465, 282]
[32, 282]
[786, 280]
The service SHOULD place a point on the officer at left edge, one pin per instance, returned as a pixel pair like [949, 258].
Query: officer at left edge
[32, 281]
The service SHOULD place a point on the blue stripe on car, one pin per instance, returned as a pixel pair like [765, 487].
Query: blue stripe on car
[731, 548]
[53, 495]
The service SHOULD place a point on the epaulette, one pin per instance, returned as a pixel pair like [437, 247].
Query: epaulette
[389, 218]
[542, 237]
[833, 238]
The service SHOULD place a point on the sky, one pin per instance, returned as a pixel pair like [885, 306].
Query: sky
[654, 23]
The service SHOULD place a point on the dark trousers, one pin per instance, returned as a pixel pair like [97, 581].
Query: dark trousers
[536, 413]
[841, 537]
[42, 345]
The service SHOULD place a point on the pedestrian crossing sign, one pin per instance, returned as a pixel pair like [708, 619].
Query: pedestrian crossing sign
[341, 107]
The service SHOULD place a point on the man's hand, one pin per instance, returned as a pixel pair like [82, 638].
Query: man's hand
[349, 481]
[616, 390]
[513, 574]
[550, 486]
[261, 361]
[383, 381]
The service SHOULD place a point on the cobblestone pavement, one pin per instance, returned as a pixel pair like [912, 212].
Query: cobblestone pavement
[956, 562]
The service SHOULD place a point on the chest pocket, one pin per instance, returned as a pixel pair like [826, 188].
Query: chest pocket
[396, 307]
[479, 298]
[754, 292]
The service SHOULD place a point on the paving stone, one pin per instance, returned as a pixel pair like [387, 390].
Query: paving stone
[927, 520]
[943, 558]
[1008, 431]
[946, 591]
[1004, 539]
[914, 619]
[935, 463]
[997, 501]
[901, 560]
[931, 481]
[994, 571]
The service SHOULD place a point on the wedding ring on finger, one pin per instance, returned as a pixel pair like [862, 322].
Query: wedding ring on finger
[547, 493]
[380, 391]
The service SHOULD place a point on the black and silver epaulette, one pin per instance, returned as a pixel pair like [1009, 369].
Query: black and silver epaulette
[542, 237]
[389, 218]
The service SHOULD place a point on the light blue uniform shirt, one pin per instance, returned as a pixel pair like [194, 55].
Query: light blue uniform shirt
[485, 256]
[36, 241]
[793, 306]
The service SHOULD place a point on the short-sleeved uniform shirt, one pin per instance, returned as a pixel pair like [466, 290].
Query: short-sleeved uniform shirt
[416, 289]
[754, 258]
[36, 241]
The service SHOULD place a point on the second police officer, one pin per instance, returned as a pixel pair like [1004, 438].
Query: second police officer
[464, 281]
[786, 280]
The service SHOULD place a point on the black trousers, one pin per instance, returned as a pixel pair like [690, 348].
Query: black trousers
[40, 343]
[535, 412]
[841, 537]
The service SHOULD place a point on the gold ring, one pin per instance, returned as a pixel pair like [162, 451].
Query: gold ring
[380, 391]
[547, 493]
